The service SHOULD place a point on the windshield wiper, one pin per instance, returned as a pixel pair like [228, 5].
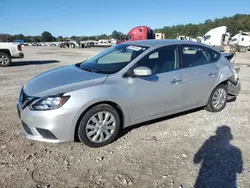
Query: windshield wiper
[95, 70]
[89, 69]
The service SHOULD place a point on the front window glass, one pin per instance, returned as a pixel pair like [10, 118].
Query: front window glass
[129, 37]
[162, 60]
[207, 37]
[112, 59]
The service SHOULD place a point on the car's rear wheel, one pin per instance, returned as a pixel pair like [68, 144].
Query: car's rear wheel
[5, 59]
[100, 126]
[218, 99]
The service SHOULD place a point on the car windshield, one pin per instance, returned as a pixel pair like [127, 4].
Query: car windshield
[112, 59]
[207, 37]
[129, 37]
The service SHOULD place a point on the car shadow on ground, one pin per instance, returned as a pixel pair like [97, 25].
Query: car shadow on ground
[36, 62]
[128, 129]
[220, 161]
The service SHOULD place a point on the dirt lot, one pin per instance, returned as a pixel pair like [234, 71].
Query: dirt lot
[162, 153]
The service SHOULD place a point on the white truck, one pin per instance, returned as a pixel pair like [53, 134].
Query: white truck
[217, 37]
[9, 51]
[199, 39]
[240, 42]
[183, 37]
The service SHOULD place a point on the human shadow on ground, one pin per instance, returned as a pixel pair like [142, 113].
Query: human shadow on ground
[220, 161]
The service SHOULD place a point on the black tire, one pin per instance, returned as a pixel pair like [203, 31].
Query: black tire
[82, 135]
[5, 59]
[242, 49]
[210, 106]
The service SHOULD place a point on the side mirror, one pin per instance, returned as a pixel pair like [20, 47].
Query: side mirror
[142, 71]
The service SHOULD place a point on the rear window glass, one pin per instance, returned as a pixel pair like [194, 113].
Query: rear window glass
[198, 55]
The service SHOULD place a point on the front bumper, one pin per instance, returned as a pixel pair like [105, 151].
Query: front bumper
[54, 126]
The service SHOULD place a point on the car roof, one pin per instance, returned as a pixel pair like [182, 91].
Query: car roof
[160, 42]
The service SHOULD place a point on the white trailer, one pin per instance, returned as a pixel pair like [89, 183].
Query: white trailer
[241, 42]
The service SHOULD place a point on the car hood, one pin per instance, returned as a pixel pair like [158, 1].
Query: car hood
[61, 80]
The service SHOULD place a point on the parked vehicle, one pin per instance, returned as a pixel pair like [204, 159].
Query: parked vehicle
[199, 39]
[139, 33]
[88, 44]
[240, 42]
[183, 37]
[123, 85]
[9, 51]
[69, 44]
[105, 43]
[160, 36]
[217, 37]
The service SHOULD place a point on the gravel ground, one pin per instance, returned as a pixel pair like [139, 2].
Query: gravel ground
[160, 153]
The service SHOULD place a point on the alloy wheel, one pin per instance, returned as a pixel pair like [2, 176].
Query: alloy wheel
[219, 98]
[100, 127]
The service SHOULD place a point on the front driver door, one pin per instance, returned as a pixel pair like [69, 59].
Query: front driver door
[161, 92]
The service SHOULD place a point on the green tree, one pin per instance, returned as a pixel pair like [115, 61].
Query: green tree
[59, 39]
[36, 39]
[47, 37]
[117, 35]
[103, 36]
[4, 37]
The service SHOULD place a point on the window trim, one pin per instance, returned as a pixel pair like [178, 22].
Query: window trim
[129, 74]
[198, 46]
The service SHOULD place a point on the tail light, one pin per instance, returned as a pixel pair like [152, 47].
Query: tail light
[19, 47]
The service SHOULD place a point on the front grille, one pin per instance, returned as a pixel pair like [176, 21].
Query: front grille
[26, 128]
[46, 133]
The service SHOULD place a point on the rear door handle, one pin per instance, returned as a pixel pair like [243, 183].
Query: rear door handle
[176, 81]
[212, 74]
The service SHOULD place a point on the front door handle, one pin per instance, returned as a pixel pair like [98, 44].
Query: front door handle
[212, 74]
[176, 81]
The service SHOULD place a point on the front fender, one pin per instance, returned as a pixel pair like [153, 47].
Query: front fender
[82, 99]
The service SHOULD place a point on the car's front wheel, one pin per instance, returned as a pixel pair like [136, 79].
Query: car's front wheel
[218, 99]
[100, 126]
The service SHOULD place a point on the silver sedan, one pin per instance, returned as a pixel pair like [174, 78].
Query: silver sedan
[124, 85]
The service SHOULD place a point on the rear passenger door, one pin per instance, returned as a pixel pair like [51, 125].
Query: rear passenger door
[200, 73]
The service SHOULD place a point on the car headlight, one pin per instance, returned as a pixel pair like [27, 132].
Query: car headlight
[49, 103]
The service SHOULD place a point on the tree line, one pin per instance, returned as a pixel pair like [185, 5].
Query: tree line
[48, 37]
[234, 25]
